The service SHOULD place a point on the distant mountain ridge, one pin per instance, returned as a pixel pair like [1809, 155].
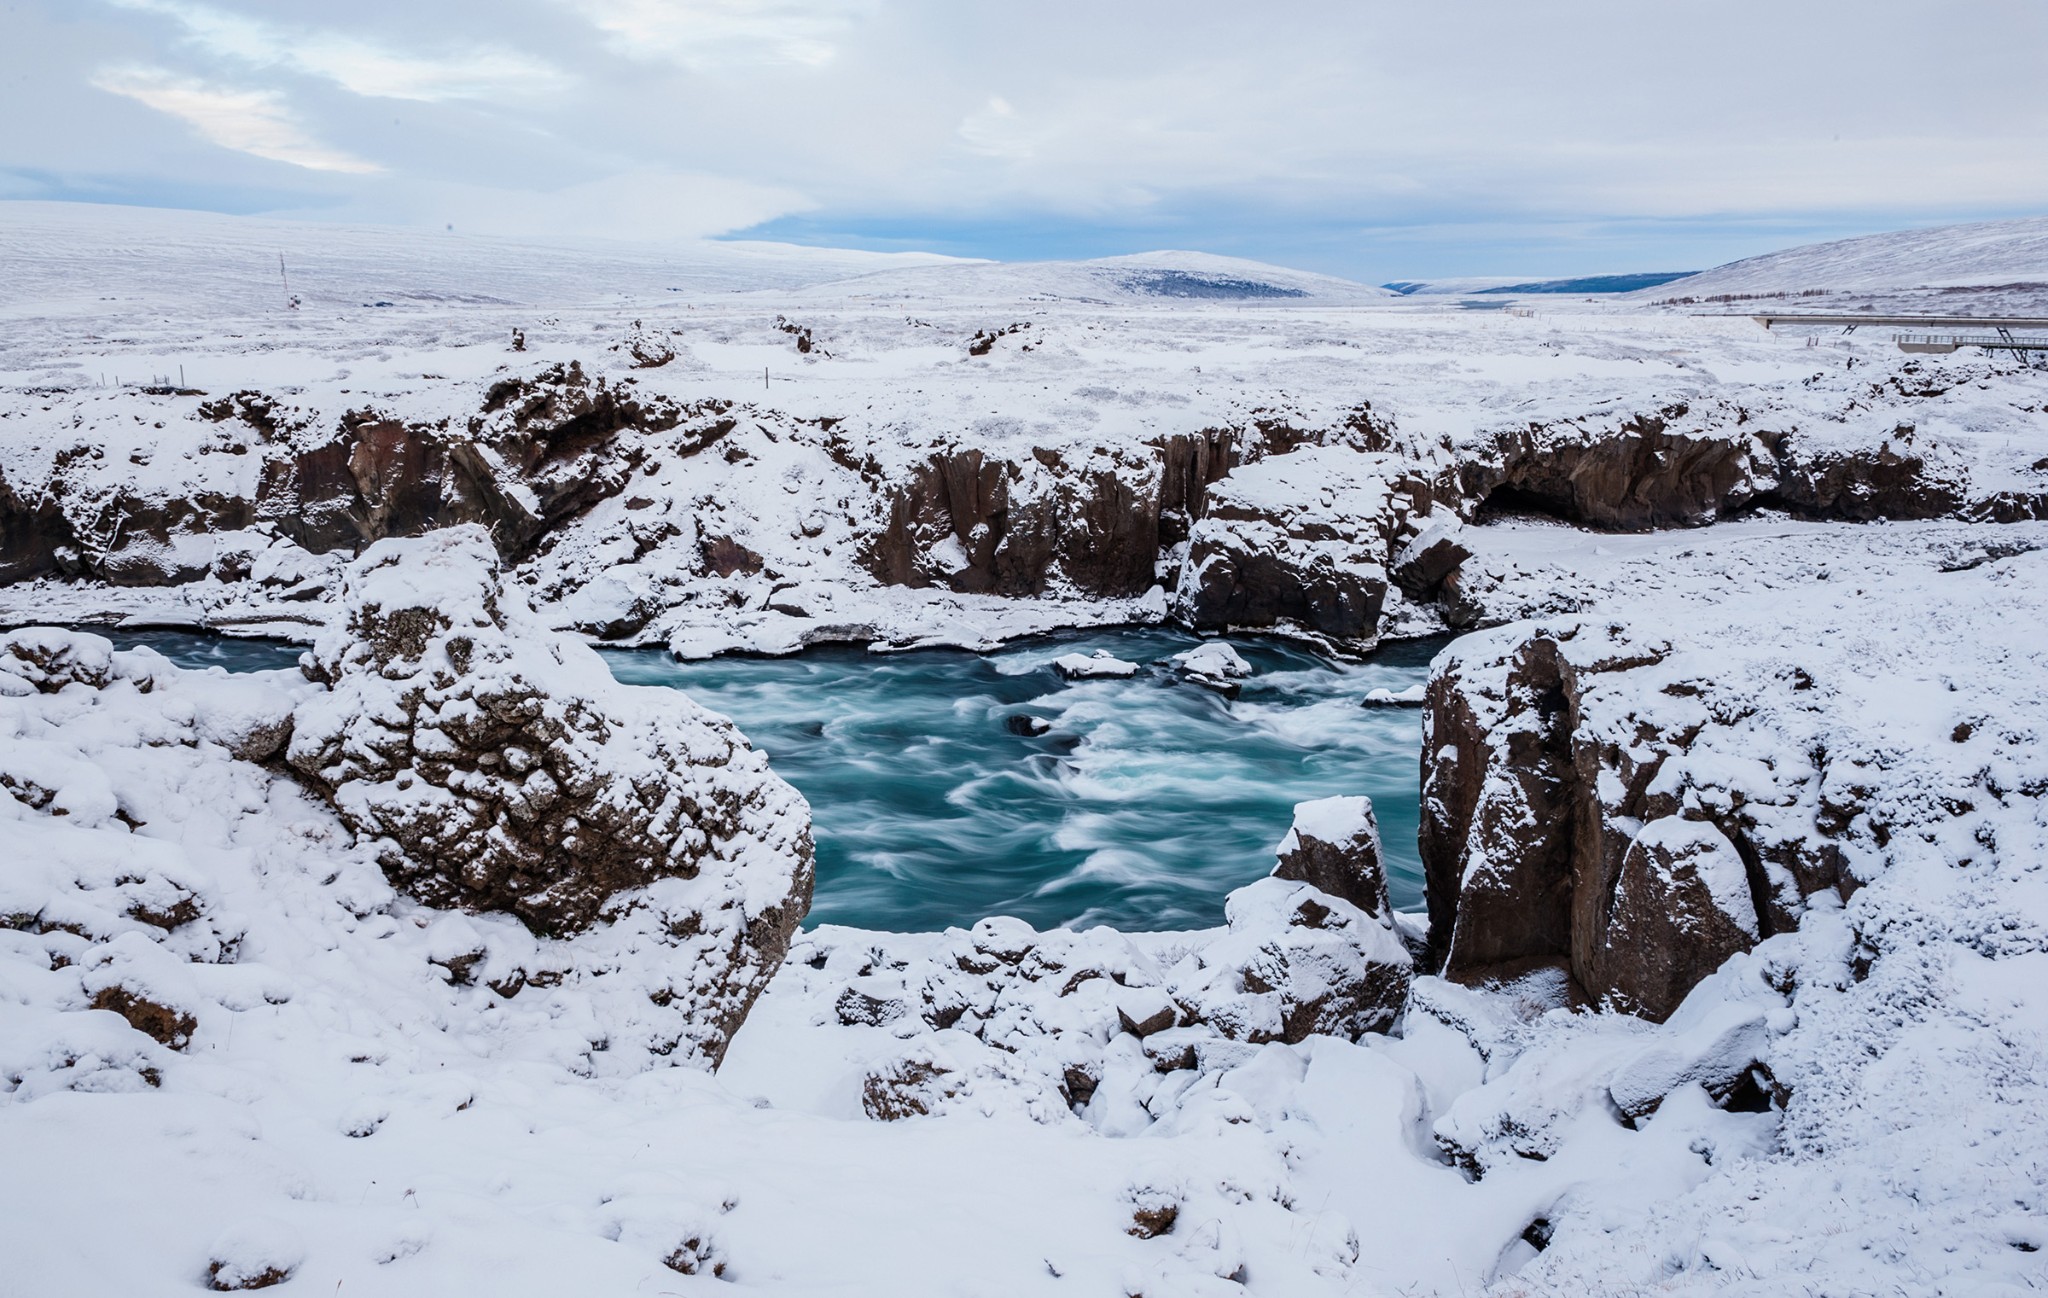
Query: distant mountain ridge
[1625, 283]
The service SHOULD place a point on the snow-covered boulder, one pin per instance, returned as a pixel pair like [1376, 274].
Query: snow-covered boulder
[1422, 566]
[1296, 963]
[1100, 664]
[1382, 697]
[499, 767]
[1214, 665]
[1334, 846]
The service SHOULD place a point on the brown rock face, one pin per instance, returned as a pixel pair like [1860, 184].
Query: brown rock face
[33, 534]
[1299, 539]
[542, 449]
[497, 766]
[1652, 471]
[1096, 525]
[1638, 477]
[1249, 577]
[1549, 838]
[1682, 906]
[513, 775]
[1501, 790]
[1334, 847]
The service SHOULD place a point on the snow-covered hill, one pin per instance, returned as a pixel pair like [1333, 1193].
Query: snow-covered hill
[1948, 260]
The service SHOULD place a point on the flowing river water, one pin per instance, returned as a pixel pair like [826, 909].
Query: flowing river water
[1143, 802]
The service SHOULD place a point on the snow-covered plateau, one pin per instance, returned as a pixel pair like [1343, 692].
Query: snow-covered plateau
[447, 964]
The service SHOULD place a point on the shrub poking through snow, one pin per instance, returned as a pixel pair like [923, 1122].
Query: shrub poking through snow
[913, 1087]
[1153, 1214]
[697, 1254]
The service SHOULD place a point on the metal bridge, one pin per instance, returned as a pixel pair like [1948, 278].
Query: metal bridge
[1873, 318]
[1943, 344]
[2001, 338]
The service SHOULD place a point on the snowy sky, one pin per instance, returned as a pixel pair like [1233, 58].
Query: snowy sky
[1377, 140]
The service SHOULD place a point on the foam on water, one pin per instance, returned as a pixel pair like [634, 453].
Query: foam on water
[1144, 803]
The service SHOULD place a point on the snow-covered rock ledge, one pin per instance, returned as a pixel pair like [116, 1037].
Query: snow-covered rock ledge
[479, 788]
[1809, 832]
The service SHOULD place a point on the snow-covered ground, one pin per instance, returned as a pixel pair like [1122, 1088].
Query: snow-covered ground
[229, 1047]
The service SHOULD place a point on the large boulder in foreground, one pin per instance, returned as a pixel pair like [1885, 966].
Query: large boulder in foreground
[1298, 962]
[1601, 800]
[501, 768]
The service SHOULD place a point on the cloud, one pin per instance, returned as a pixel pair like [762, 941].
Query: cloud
[1259, 129]
[359, 66]
[705, 35]
[249, 121]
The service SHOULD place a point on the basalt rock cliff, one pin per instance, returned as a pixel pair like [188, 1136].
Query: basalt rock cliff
[650, 504]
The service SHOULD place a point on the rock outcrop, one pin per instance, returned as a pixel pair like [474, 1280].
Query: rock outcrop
[982, 524]
[1650, 471]
[1334, 847]
[1298, 962]
[540, 449]
[499, 767]
[507, 768]
[1693, 463]
[1590, 803]
[1299, 539]
[1249, 518]
[1422, 566]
